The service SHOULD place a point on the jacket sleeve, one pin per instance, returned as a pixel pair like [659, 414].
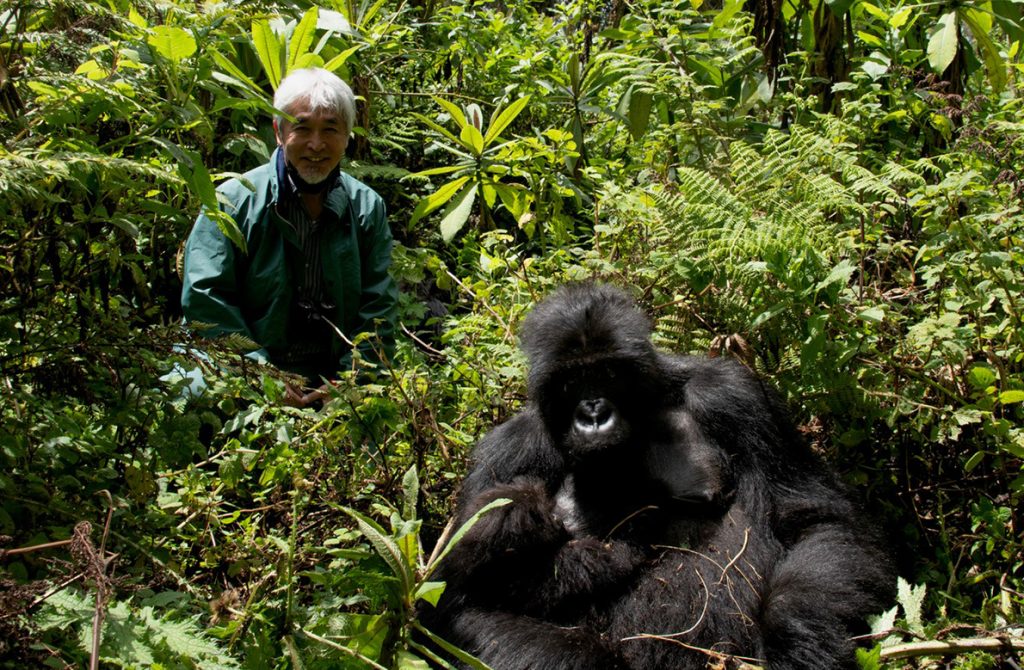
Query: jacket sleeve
[210, 293]
[378, 304]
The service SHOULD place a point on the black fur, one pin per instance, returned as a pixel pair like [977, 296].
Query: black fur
[663, 510]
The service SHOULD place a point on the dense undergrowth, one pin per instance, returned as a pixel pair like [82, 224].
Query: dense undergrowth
[830, 193]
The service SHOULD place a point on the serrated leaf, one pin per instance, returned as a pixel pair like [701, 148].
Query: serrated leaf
[911, 599]
[385, 546]
[943, 43]
[173, 43]
[458, 213]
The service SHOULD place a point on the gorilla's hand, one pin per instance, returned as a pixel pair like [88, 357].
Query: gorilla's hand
[527, 523]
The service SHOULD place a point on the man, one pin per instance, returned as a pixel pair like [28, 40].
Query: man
[315, 273]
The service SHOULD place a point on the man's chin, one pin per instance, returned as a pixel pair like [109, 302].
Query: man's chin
[313, 177]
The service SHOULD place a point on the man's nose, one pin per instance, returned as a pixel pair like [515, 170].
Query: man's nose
[316, 141]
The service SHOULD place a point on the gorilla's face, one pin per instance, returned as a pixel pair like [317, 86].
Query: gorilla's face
[596, 408]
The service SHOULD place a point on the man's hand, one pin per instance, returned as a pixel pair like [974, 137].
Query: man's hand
[302, 397]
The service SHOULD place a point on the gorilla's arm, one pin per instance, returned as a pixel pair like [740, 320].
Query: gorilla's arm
[516, 575]
[832, 576]
[520, 447]
[520, 558]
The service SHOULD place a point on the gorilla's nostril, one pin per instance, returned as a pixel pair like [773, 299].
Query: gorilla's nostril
[594, 414]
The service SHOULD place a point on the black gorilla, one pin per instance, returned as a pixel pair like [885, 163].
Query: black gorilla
[664, 514]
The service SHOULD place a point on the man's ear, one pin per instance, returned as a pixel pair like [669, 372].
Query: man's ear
[277, 133]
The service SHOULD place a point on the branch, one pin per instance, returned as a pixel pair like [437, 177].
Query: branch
[940, 648]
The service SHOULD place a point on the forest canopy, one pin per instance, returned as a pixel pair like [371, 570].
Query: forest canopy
[830, 192]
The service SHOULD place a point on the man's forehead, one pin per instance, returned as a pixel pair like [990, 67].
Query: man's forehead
[302, 113]
[323, 115]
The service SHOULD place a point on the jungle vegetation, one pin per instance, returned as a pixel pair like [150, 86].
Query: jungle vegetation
[829, 190]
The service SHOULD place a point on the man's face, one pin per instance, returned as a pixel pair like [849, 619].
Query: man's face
[314, 143]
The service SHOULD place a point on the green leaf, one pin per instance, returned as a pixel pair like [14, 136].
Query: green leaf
[458, 213]
[1010, 397]
[724, 16]
[173, 43]
[639, 115]
[872, 314]
[454, 111]
[980, 24]
[430, 592]
[340, 59]
[943, 43]
[472, 139]
[302, 38]
[437, 198]
[410, 492]
[900, 18]
[499, 123]
[199, 180]
[463, 529]
[268, 49]
[463, 657]
[384, 545]
[911, 599]
[235, 72]
[437, 128]
[974, 461]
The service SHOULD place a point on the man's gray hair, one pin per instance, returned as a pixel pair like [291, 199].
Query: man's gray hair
[323, 90]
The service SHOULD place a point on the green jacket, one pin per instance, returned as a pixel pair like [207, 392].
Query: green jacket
[252, 293]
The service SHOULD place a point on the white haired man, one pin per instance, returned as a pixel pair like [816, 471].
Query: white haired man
[315, 273]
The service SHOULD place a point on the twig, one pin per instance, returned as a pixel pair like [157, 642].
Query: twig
[704, 611]
[4, 553]
[746, 537]
[717, 655]
[426, 347]
[954, 647]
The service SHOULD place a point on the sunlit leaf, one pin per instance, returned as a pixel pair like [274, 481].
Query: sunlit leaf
[502, 121]
[980, 24]
[173, 43]
[302, 38]
[472, 139]
[454, 111]
[341, 58]
[437, 198]
[943, 43]
[458, 213]
[268, 49]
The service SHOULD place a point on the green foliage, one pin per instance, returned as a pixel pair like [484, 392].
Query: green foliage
[868, 261]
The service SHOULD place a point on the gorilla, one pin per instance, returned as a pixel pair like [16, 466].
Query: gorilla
[660, 512]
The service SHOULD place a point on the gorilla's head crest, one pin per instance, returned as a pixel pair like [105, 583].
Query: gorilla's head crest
[583, 325]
